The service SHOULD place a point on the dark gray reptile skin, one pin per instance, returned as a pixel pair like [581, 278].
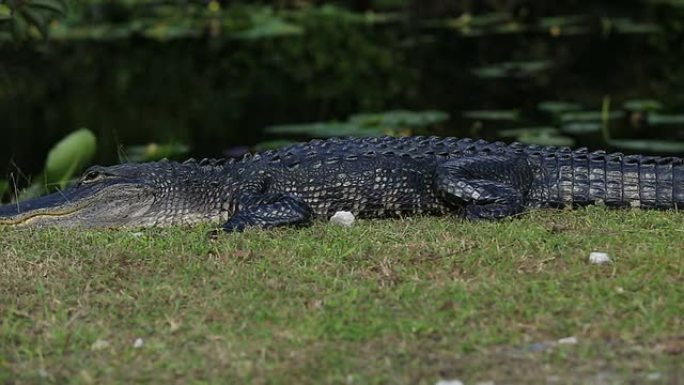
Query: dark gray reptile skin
[381, 177]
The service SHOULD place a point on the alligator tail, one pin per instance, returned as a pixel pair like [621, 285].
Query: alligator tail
[578, 178]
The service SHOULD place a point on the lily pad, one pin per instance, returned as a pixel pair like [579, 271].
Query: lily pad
[68, 156]
[273, 144]
[324, 130]
[488, 19]
[547, 139]
[554, 107]
[511, 69]
[569, 31]
[400, 119]
[561, 21]
[581, 128]
[528, 131]
[267, 24]
[588, 116]
[155, 151]
[642, 105]
[165, 31]
[495, 115]
[468, 20]
[629, 26]
[649, 146]
[663, 119]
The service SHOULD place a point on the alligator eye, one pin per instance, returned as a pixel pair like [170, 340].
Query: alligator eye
[91, 176]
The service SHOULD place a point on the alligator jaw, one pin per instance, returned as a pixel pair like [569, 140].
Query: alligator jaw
[108, 206]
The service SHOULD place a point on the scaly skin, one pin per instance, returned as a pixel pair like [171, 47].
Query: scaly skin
[371, 177]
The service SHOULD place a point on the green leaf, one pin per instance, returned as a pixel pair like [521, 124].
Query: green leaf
[266, 24]
[561, 21]
[155, 151]
[665, 119]
[588, 116]
[528, 131]
[68, 156]
[324, 130]
[642, 105]
[511, 69]
[55, 6]
[543, 135]
[510, 115]
[19, 26]
[35, 19]
[400, 119]
[545, 139]
[581, 128]
[5, 13]
[648, 146]
[629, 26]
[273, 144]
[554, 107]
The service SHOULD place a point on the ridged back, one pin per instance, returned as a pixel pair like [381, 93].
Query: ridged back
[566, 176]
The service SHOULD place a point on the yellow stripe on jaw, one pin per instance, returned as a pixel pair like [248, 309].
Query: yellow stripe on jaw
[30, 218]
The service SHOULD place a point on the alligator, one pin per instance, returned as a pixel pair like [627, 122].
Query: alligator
[371, 177]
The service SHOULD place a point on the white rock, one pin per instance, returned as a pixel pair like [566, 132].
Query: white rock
[342, 218]
[449, 382]
[599, 258]
[138, 343]
[99, 345]
[655, 376]
[568, 340]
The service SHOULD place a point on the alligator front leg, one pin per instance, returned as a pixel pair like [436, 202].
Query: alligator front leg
[266, 211]
[485, 186]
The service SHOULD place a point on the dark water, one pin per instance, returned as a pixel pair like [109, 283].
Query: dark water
[214, 94]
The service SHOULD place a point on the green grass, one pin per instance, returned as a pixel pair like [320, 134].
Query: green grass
[385, 302]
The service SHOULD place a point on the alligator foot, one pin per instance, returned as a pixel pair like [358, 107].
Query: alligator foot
[267, 211]
[487, 186]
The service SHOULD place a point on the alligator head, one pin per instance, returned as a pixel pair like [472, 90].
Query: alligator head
[127, 195]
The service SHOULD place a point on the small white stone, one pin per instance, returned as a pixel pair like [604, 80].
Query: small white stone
[449, 382]
[655, 376]
[342, 218]
[568, 341]
[99, 345]
[138, 343]
[599, 258]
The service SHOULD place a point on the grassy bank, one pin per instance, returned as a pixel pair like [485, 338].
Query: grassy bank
[398, 301]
